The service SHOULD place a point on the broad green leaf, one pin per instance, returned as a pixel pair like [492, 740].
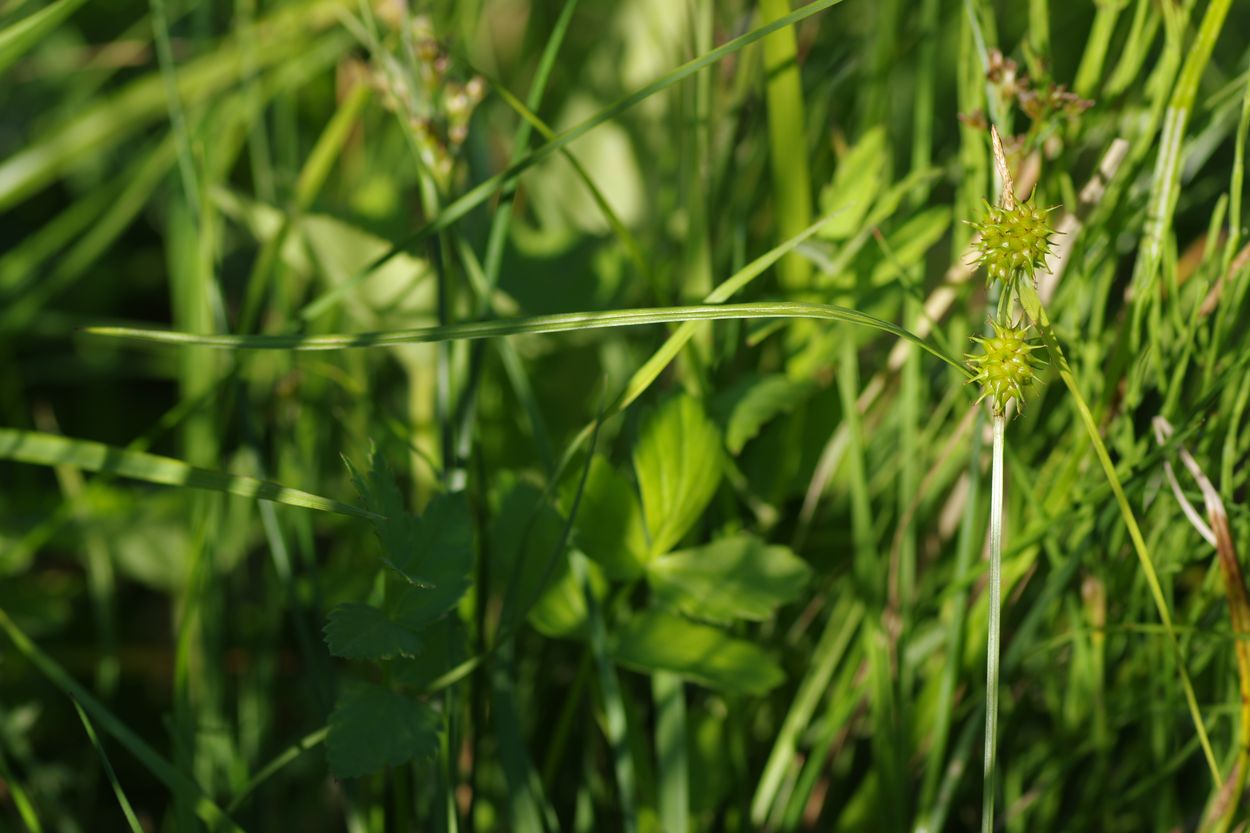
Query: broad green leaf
[373, 727]
[744, 408]
[52, 450]
[734, 578]
[661, 641]
[855, 185]
[910, 241]
[361, 631]
[434, 552]
[609, 522]
[561, 611]
[678, 461]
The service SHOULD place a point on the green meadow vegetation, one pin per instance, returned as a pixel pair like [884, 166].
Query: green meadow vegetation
[624, 415]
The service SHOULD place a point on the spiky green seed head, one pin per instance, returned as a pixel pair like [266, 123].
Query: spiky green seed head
[1013, 242]
[1005, 367]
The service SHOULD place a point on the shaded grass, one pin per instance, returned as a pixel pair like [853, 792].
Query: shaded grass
[877, 724]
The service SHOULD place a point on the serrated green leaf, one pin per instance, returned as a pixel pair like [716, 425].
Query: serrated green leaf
[373, 727]
[433, 552]
[360, 631]
[678, 461]
[855, 185]
[661, 641]
[745, 407]
[609, 522]
[740, 577]
[446, 560]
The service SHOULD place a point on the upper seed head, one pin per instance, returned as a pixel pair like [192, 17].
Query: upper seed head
[1014, 242]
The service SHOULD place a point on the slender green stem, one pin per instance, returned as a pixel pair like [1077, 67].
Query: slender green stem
[995, 625]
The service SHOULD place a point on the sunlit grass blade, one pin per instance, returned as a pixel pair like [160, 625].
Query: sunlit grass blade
[21, 36]
[51, 449]
[539, 324]
[672, 761]
[839, 629]
[787, 146]
[1165, 182]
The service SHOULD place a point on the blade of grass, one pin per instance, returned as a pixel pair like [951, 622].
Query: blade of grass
[484, 190]
[955, 635]
[21, 36]
[672, 766]
[51, 450]
[312, 177]
[21, 800]
[844, 619]
[165, 772]
[1089, 74]
[538, 324]
[1033, 308]
[610, 692]
[787, 128]
[124, 802]
[1165, 182]
[102, 125]
[307, 743]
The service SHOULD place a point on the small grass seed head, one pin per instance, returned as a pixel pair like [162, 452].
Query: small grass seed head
[1006, 365]
[1014, 242]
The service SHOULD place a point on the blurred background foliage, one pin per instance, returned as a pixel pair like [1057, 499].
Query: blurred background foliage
[713, 576]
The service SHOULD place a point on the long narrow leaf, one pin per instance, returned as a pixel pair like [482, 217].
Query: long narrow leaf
[558, 323]
[50, 449]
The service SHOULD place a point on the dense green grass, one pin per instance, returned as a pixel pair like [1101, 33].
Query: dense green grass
[533, 416]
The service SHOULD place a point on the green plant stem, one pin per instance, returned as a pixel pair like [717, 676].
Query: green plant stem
[995, 623]
[786, 129]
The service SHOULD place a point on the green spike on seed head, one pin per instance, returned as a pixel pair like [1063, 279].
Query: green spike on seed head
[1014, 241]
[1005, 367]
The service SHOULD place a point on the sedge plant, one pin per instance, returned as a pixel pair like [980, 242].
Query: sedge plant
[1012, 244]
